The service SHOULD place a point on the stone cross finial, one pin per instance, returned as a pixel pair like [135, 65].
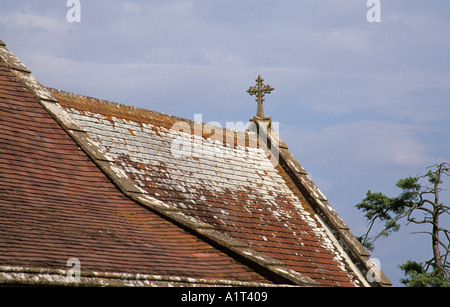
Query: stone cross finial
[260, 90]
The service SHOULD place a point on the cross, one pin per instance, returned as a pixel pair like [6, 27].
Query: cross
[260, 91]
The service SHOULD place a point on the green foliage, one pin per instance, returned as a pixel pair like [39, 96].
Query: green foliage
[417, 276]
[417, 203]
[379, 207]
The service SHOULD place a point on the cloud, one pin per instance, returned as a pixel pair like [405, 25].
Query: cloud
[419, 96]
[27, 20]
[363, 144]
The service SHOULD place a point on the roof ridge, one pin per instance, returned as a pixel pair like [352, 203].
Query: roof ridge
[112, 103]
[264, 265]
[86, 103]
[134, 108]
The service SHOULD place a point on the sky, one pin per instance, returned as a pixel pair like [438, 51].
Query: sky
[360, 104]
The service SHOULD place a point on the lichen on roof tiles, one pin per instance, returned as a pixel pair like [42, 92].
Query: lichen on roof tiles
[236, 189]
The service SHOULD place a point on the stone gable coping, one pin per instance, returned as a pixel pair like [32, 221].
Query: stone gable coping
[319, 203]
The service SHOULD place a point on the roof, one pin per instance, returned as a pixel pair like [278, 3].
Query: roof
[174, 197]
[57, 205]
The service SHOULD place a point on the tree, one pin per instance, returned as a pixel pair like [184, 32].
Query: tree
[419, 203]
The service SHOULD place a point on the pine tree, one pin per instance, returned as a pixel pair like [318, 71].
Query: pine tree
[419, 203]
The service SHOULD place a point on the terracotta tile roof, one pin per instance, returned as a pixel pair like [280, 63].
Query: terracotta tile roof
[56, 204]
[220, 210]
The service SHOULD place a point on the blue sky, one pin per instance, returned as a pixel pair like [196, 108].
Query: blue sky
[360, 104]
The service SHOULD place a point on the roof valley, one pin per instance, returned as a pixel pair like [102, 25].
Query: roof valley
[269, 267]
[357, 259]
